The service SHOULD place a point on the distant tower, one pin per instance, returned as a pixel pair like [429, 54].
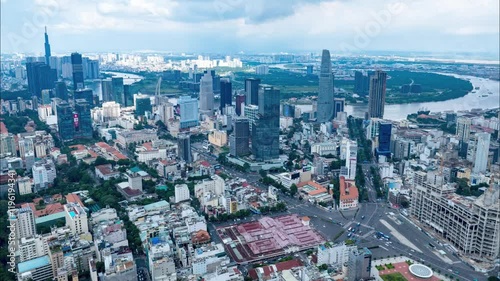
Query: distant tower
[266, 129]
[463, 134]
[206, 94]
[226, 93]
[482, 149]
[376, 100]
[184, 148]
[47, 48]
[252, 91]
[325, 95]
[77, 65]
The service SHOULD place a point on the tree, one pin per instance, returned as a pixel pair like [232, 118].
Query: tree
[293, 189]
[246, 167]
[262, 173]
[100, 161]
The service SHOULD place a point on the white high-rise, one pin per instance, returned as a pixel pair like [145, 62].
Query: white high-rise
[25, 223]
[76, 218]
[350, 160]
[206, 94]
[482, 149]
[463, 128]
[181, 193]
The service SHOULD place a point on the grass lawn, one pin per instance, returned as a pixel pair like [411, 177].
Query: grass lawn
[393, 277]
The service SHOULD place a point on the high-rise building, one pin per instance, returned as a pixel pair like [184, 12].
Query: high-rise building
[206, 94]
[325, 95]
[76, 218]
[65, 121]
[118, 92]
[309, 69]
[359, 264]
[376, 100]
[127, 96]
[46, 96]
[338, 106]
[91, 68]
[463, 135]
[240, 103]
[226, 93]
[188, 108]
[239, 139]
[384, 138]
[361, 83]
[85, 94]
[181, 193]
[142, 104]
[252, 91]
[184, 147]
[469, 225]
[251, 112]
[107, 90]
[61, 90]
[40, 77]
[350, 160]
[82, 120]
[265, 130]
[77, 67]
[47, 48]
[482, 150]
[25, 223]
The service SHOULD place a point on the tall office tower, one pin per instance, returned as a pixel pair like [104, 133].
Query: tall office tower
[482, 149]
[82, 120]
[376, 100]
[265, 130]
[128, 99]
[309, 69]
[184, 147]
[251, 112]
[338, 106]
[25, 223]
[40, 77]
[46, 96]
[226, 93]
[206, 94]
[117, 87]
[350, 159]
[239, 139]
[359, 264]
[47, 48]
[166, 112]
[463, 135]
[107, 90]
[61, 90]
[142, 104]
[384, 138]
[325, 95]
[65, 122]
[215, 82]
[77, 69]
[358, 82]
[92, 69]
[252, 91]
[85, 94]
[189, 112]
[240, 103]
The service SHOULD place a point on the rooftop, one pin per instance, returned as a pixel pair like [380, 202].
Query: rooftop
[33, 264]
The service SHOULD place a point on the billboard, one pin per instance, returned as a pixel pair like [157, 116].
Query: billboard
[76, 122]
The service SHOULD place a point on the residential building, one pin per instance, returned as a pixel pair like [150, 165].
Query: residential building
[76, 218]
[44, 173]
[25, 223]
[181, 193]
[482, 150]
[359, 265]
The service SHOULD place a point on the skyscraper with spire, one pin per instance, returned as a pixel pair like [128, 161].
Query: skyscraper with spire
[325, 96]
[47, 48]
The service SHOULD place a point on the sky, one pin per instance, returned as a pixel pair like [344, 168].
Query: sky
[256, 26]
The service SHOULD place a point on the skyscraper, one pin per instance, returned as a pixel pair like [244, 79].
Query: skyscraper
[384, 138]
[85, 94]
[325, 95]
[265, 130]
[82, 120]
[482, 149]
[189, 112]
[206, 94]
[118, 92]
[359, 264]
[463, 134]
[226, 93]
[142, 104]
[76, 64]
[25, 223]
[46, 96]
[338, 106]
[107, 90]
[40, 77]
[65, 121]
[240, 101]
[376, 100]
[61, 90]
[239, 139]
[47, 48]
[184, 148]
[252, 91]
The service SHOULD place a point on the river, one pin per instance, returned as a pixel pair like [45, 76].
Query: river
[128, 78]
[487, 96]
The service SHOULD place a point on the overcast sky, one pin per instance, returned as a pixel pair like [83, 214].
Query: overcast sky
[230, 26]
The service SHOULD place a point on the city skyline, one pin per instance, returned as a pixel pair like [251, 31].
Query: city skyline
[463, 26]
